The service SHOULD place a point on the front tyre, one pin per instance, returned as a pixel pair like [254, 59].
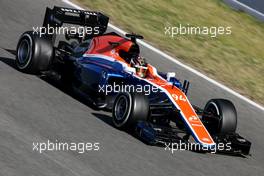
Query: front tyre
[128, 109]
[220, 116]
[34, 53]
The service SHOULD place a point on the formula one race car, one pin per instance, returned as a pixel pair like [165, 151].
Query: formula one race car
[108, 70]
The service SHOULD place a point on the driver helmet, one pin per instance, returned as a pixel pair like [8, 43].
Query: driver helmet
[139, 63]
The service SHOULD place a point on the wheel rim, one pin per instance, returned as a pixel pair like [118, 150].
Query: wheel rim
[213, 108]
[24, 52]
[121, 108]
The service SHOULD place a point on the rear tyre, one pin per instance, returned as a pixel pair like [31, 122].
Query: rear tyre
[221, 116]
[34, 53]
[128, 109]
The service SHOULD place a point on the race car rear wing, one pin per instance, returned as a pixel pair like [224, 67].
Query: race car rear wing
[57, 16]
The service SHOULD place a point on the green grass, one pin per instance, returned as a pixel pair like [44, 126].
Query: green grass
[237, 60]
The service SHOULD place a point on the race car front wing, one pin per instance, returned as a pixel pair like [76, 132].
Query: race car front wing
[163, 136]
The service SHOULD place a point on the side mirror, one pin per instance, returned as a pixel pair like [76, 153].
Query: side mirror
[170, 75]
[133, 37]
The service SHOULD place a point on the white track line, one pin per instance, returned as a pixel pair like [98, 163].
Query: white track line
[179, 63]
[249, 8]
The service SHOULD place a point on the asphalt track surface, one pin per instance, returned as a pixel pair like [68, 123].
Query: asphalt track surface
[255, 4]
[33, 110]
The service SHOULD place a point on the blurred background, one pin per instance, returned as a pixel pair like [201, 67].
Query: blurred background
[236, 60]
